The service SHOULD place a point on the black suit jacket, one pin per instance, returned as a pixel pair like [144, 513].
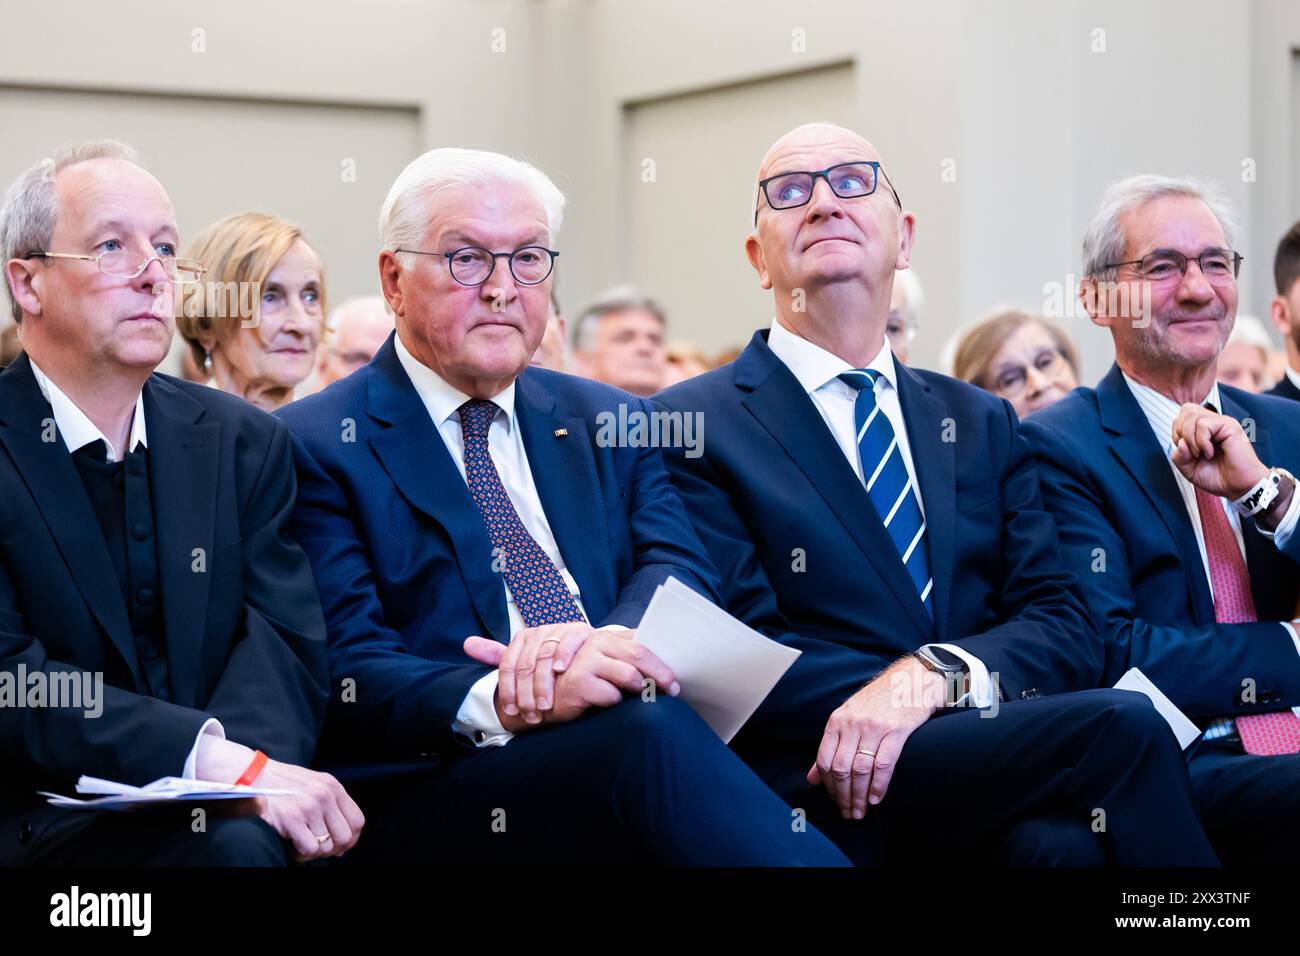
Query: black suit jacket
[1285, 389]
[244, 633]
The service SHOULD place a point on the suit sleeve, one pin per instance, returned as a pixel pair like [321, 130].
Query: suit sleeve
[1202, 668]
[1047, 640]
[663, 541]
[386, 701]
[825, 670]
[124, 736]
[271, 695]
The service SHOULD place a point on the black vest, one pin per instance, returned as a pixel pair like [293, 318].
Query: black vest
[122, 500]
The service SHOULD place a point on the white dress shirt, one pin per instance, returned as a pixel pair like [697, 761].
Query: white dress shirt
[1293, 375]
[818, 372]
[477, 718]
[78, 431]
[1161, 412]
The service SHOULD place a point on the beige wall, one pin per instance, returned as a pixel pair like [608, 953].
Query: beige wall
[1008, 94]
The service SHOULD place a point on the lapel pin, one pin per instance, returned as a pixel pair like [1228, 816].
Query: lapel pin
[561, 433]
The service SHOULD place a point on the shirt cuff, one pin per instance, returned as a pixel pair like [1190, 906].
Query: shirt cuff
[477, 718]
[210, 726]
[1282, 535]
[981, 686]
[1295, 637]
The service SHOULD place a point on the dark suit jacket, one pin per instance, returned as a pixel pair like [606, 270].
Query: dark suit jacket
[801, 548]
[245, 639]
[1113, 492]
[403, 559]
[1285, 389]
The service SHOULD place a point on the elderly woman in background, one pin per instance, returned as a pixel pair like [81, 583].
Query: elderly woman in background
[1026, 359]
[255, 322]
[1244, 361]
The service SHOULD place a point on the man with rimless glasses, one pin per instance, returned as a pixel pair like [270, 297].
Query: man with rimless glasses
[888, 523]
[143, 549]
[1175, 499]
[482, 556]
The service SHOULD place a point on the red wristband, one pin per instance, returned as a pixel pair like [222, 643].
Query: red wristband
[254, 768]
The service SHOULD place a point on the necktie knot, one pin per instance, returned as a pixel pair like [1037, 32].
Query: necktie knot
[860, 378]
[476, 416]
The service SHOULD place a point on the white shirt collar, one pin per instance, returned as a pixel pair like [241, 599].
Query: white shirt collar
[1293, 375]
[75, 426]
[1161, 410]
[814, 367]
[441, 399]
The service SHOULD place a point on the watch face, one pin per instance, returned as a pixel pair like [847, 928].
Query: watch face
[947, 659]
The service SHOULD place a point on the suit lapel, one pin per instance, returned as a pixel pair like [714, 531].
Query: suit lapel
[184, 461]
[417, 460]
[787, 412]
[1134, 446]
[935, 462]
[26, 419]
[564, 471]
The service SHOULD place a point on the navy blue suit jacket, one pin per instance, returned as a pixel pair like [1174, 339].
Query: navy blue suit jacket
[802, 549]
[1285, 389]
[1110, 485]
[402, 557]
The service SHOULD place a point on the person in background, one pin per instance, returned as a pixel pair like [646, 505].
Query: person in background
[1026, 359]
[684, 361]
[255, 322]
[1243, 363]
[619, 340]
[904, 313]
[10, 345]
[1284, 311]
[551, 353]
[355, 333]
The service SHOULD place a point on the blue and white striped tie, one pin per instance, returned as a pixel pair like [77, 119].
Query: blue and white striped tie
[888, 483]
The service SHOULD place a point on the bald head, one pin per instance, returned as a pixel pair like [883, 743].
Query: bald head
[812, 136]
[829, 253]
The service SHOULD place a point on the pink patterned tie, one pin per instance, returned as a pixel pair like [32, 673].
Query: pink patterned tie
[1263, 735]
[1269, 735]
[1233, 602]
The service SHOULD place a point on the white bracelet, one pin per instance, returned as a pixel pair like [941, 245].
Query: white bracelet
[1261, 496]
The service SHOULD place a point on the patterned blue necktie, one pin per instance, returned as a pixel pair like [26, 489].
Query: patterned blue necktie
[888, 483]
[538, 588]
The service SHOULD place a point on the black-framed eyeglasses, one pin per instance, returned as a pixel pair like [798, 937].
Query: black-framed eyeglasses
[474, 265]
[1167, 263]
[847, 180]
[121, 264]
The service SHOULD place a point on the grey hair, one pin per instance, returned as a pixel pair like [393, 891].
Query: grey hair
[403, 219]
[623, 298]
[31, 206]
[1104, 241]
[906, 280]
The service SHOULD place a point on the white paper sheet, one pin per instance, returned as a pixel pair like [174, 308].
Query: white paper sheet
[1183, 729]
[725, 668]
[110, 795]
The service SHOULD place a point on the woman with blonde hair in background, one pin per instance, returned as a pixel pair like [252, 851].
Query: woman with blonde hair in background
[1026, 359]
[256, 320]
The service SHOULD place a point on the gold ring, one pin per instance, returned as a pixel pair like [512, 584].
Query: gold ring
[322, 839]
[869, 753]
